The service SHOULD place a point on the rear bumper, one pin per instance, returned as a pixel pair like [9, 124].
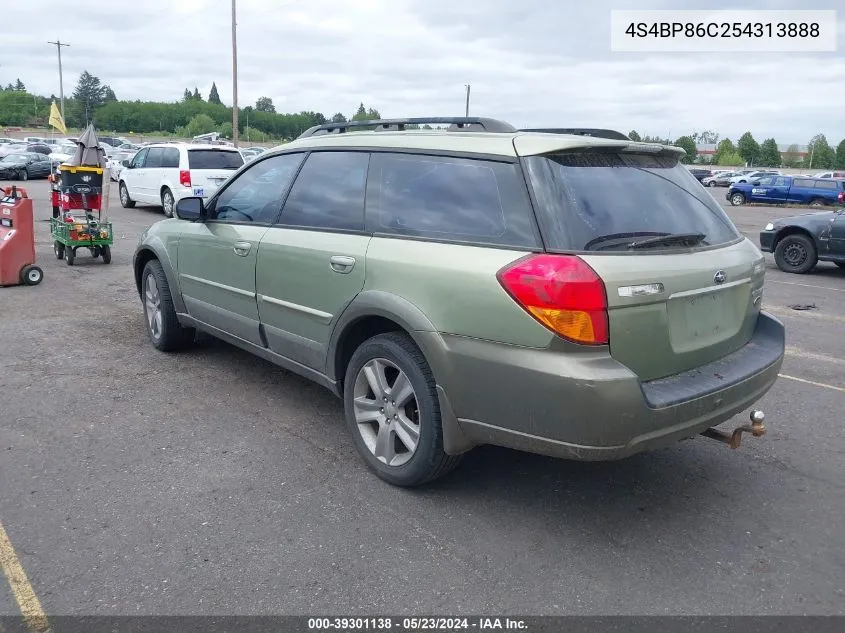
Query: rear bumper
[587, 406]
[767, 241]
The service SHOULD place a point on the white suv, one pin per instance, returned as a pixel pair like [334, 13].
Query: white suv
[161, 174]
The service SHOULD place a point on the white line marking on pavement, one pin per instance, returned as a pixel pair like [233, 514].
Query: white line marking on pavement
[795, 283]
[812, 382]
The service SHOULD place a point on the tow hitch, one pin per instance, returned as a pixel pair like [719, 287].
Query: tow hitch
[756, 428]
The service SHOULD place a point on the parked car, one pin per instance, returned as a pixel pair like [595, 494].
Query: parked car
[831, 174]
[63, 153]
[801, 241]
[164, 173]
[700, 173]
[615, 309]
[24, 165]
[815, 192]
[748, 176]
[12, 148]
[722, 179]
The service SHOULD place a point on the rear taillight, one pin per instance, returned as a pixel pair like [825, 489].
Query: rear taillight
[185, 178]
[563, 293]
[841, 196]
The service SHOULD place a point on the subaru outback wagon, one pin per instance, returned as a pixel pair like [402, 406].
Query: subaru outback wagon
[572, 294]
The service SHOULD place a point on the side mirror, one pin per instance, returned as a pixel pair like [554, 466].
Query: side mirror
[755, 182]
[190, 209]
[125, 163]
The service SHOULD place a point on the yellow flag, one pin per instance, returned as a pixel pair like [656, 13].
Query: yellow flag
[56, 119]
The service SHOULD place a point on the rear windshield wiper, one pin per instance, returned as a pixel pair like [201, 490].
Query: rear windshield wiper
[670, 239]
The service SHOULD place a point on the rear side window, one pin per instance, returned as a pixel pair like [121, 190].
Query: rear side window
[604, 201]
[214, 159]
[448, 198]
[170, 157]
[827, 184]
[329, 192]
[804, 183]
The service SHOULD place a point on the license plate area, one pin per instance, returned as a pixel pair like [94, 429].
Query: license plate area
[702, 319]
[199, 191]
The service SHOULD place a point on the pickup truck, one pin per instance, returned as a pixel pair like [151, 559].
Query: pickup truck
[815, 192]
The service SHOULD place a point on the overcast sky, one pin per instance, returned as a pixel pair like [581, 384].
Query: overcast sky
[530, 62]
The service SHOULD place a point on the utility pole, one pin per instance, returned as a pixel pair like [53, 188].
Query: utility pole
[467, 107]
[58, 44]
[234, 75]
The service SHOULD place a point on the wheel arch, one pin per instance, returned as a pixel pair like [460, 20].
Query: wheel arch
[793, 229]
[375, 312]
[155, 250]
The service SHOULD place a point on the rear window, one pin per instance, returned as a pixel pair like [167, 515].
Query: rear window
[827, 184]
[214, 159]
[604, 201]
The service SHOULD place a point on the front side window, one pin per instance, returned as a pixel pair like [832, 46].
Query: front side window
[449, 198]
[329, 192]
[611, 201]
[256, 194]
[138, 159]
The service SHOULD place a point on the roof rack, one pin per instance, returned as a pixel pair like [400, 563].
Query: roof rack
[597, 132]
[482, 124]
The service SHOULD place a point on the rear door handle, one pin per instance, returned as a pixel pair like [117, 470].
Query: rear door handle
[242, 248]
[342, 263]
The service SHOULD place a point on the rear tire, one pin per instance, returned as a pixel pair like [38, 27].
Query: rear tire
[125, 201]
[712, 183]
[163, 327]
[167, 203]
[816, 203]
[737, 199]
[105, 253]
[70, 255]
[796, 254]
[382, 434]
[840, 264]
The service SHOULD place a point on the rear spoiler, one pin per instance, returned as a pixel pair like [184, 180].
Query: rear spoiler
[578, 131]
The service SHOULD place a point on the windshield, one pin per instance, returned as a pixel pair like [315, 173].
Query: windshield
[214, 159]
[600, 200]
[12, 158]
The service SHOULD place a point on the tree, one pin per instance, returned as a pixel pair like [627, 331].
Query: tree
[19, 86]
[108, 94]
[88, 95]
[769, 154]
[820, 155]
[366, 114]
[656, 139]
[265, 104]
[200, 124]
[225, 129]
[748, 148]
[792, 157]
[187, 96]
[725, 146]
[197, 96]
[729, 159]
[339, 118]
[213, 96]
[840, 155]
[634, 136]
[705, 138]
[688, 145]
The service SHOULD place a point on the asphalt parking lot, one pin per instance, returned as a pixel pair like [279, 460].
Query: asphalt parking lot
[210, 482]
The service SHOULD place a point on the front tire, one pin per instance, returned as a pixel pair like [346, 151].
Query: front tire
[32, 275]
[392, 411]
[105, 253]
[59, 250]
[163, 327]
[125, 201]
[23, 175]
[737, 199]
[712, 183]
[796, 254]
[70, 255]
[167, 203]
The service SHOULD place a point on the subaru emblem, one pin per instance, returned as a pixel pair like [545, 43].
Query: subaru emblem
[720, 277]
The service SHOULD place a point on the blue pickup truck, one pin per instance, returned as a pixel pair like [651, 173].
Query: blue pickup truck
[815, 192]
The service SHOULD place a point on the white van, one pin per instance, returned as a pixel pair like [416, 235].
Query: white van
[161, 174]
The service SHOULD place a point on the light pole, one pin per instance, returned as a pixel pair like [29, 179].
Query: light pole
[467, 106]
[59, 45]
[234, 75]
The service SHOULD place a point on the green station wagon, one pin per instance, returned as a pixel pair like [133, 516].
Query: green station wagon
[565, 292]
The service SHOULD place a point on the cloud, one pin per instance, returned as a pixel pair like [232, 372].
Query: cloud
[531, 62]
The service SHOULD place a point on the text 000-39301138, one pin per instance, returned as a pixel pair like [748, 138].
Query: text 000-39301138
[723, 31]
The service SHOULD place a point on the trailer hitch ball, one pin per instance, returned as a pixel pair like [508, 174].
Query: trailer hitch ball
[756, 428]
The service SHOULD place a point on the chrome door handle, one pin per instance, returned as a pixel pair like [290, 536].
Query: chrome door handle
[242, 248]
[342, 263]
